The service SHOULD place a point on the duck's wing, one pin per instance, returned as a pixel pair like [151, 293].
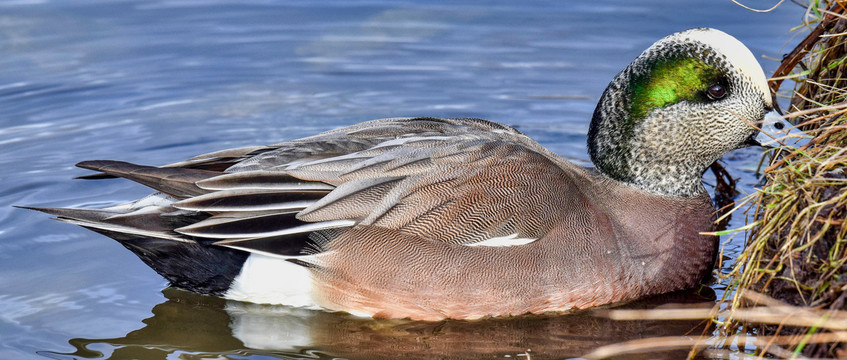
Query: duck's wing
[460, 181]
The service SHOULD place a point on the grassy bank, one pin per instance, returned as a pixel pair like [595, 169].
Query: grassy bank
[797, 248]
[787, 291]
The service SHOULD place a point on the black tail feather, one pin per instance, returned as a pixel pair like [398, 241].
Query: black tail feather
[205, 269]
[186, 262]
[92, 215]
[177, 182]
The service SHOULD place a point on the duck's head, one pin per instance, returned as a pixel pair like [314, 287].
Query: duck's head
[679, 106]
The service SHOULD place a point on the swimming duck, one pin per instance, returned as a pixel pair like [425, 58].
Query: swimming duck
[432, 218]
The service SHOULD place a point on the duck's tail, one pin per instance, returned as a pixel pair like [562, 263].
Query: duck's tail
[200, 228]
[186, 263]
[146, 226]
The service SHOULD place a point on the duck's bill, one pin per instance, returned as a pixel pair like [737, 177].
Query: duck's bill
[776, 132]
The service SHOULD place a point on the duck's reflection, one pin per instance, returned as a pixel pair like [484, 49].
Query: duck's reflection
[207, 327]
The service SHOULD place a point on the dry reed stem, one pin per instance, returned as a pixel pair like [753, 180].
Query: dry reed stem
[739, 341]
[770, 311]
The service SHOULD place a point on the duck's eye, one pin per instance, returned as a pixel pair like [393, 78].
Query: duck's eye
[716, 91]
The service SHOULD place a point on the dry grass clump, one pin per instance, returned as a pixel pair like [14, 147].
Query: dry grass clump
[797, 250]
[787, 292]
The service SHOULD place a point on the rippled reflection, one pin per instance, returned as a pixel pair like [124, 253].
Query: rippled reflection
[205, 327]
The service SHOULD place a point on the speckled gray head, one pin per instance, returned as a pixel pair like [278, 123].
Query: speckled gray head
[682, 104]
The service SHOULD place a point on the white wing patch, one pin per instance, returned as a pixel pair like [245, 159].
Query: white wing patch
[509, 240]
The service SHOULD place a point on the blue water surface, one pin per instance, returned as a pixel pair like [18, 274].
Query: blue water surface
[158, 81]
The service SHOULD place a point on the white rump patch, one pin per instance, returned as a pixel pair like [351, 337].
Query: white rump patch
[272, 280]
[509, 240]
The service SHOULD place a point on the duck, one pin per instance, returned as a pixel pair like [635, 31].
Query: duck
[431, 218]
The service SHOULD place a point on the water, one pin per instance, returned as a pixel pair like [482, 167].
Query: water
[155, 82]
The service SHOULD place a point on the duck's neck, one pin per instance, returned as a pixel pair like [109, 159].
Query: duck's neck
[646, 153]
[653, 170]
[664, 178]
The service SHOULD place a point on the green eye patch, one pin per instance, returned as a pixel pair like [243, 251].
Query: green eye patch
[669, 81]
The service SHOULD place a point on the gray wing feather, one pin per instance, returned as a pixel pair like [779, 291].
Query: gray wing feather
[460, 187]
[451, 180]
[261, 180]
